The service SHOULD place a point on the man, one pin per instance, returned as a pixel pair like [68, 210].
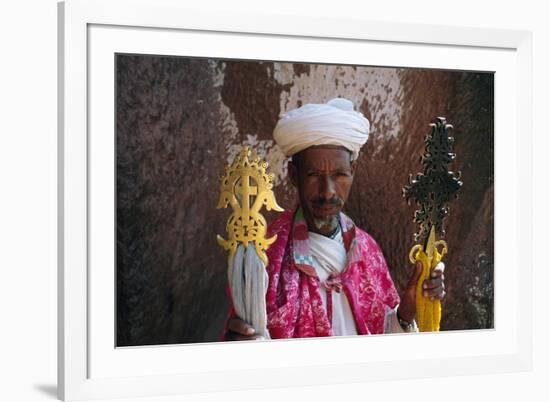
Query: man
[326, 276]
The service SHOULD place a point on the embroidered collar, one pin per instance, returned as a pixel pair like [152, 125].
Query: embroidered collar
[300, 242]
[336, 232]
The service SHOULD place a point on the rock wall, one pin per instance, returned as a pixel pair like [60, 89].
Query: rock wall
[180, 120]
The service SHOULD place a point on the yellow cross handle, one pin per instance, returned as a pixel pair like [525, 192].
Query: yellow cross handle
[428, 312]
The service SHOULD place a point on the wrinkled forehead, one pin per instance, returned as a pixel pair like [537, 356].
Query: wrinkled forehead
[322, 155]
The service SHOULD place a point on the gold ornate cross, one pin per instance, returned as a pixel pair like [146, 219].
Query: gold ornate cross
[246, 191]
[247, 187]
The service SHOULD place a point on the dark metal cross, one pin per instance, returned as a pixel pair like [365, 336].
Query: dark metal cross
[432, 189]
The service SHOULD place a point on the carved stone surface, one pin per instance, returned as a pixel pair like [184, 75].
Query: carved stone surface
[180, 120]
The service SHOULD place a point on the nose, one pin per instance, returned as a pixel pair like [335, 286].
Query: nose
[327, 188]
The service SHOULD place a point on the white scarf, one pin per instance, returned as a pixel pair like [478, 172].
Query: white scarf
[329, 257]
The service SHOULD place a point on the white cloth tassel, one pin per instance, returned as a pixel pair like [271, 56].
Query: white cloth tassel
[257, 281]
[248, 281]
[235, 277]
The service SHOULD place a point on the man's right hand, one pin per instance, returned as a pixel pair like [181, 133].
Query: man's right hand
[238, 330]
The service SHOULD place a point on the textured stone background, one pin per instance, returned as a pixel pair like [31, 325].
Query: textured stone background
[180, 120]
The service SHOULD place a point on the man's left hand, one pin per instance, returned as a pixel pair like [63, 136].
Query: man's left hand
[433, 289]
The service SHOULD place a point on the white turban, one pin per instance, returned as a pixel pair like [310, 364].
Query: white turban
[333, 123]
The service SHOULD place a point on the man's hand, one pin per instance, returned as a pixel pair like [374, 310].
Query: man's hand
[238, 330]
[433, 288]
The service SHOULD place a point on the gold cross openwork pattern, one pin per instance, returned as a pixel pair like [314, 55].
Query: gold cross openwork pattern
[247, 187]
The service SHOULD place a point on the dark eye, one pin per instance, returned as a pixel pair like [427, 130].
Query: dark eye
[342, 174]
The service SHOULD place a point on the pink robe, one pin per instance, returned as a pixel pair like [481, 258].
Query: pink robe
[294, 305]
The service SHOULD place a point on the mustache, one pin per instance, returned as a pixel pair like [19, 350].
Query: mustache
[334, 201]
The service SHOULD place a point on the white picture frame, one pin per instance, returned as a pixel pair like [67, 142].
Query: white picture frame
[89, 368]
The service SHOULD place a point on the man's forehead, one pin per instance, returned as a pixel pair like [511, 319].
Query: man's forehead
[321, 153]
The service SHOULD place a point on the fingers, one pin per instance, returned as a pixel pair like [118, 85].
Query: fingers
[240, 327]
[239, 330]
[436, 278]
[434, 283]
[417, 271]
[434, 288]
[415, 276]
[435, 294]
[439, 269]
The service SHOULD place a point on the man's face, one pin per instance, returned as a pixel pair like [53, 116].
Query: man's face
[323, 176]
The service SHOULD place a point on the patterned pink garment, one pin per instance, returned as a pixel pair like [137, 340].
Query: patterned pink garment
[294, 305]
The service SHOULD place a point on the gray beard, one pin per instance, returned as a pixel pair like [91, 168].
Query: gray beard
[329, 223]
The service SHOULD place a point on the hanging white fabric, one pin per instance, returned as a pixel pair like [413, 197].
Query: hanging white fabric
[248, 281]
